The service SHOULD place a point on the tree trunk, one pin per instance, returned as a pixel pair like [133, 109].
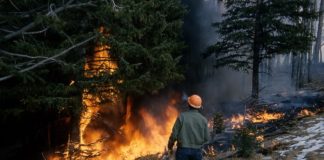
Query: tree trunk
[255, 76]
[300, 71]
[319, 34]
[309, 62]
[256, 52]
[309, 56]
[293, 66]
[321, 57]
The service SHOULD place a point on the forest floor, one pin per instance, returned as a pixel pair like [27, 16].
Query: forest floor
[303, 141]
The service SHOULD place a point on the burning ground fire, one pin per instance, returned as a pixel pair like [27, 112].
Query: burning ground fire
[264, 117]
[305, 113]
[237, 120]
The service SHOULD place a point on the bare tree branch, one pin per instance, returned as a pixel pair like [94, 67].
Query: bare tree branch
[32, 32]
[115, 6]
[14, 5]
[68, 37]
[17, 66]
[40, 63]
[50, 13]
[6, 30]
[37, 32]
[21, 55]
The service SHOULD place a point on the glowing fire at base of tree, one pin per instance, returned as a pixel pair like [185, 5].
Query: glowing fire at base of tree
[148, 136]
[143, 133]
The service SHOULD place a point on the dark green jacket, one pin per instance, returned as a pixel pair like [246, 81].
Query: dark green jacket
[190, 130]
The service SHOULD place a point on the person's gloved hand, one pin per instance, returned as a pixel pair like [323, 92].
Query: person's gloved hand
[170, 144]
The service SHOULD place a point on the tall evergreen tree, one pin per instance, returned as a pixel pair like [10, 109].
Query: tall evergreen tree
[253, 30]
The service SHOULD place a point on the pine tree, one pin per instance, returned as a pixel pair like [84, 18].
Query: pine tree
[44, 46]
[253, 30]
[218, 123]
[46, 43]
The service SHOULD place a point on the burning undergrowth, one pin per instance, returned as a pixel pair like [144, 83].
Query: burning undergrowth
[255, 125]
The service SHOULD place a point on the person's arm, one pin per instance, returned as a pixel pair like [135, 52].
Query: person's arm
[174, 134]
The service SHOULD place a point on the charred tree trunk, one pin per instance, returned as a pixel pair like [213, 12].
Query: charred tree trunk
[319, 35]
[256, 52]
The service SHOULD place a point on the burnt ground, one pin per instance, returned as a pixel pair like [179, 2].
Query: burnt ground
[303, 141]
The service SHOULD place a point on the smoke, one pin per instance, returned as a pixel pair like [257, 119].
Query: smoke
[216, 86]
[224, 89]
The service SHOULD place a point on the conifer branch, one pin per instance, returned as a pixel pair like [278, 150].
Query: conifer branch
[40, 63]
[50, 13]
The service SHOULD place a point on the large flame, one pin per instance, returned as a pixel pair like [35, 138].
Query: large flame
[100, 62]
[139, 132]
[143, 133]
[150, 138]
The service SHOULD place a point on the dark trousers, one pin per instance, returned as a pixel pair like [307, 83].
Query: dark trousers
[188, 154]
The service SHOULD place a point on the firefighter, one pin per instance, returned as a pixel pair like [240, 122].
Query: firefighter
[190, 131]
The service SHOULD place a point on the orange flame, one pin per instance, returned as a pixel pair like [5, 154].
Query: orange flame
[210, 151]
[237, 121]
[100, 62]
[260, 138]
[305, 112]
[138, 143]
[264, 117]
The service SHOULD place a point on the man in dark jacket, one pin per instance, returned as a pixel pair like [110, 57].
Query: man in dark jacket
[190, 131]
